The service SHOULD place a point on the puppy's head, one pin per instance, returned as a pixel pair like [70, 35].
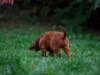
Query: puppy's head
[35, 45]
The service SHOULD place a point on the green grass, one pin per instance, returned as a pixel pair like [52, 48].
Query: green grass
[16, 59]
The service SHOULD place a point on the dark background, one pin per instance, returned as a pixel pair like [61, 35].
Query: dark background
[76, 15]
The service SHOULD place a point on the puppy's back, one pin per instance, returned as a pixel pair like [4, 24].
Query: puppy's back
[47, 37]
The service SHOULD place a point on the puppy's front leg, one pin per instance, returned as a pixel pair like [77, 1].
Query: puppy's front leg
[43, 49]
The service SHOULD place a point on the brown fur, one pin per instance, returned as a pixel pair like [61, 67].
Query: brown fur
[52, 41]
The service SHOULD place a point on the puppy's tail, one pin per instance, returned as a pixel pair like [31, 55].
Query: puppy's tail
[64, 36]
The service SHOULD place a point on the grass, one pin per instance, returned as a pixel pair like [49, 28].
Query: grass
[16, 59]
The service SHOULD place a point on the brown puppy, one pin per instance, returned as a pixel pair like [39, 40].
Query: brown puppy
[52, 41]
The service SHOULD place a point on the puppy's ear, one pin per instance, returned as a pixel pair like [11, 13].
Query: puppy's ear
[35, 44]
[32, 47]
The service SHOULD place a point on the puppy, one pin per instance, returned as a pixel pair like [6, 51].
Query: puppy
[51, 41]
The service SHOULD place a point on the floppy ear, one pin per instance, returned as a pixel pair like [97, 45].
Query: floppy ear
[35, 43]
[32, 47]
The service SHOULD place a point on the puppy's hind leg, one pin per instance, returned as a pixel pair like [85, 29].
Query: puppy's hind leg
[57, 52]
[51, 54]
[67, 51]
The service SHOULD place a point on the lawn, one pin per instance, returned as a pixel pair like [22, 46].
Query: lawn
[16, 59]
